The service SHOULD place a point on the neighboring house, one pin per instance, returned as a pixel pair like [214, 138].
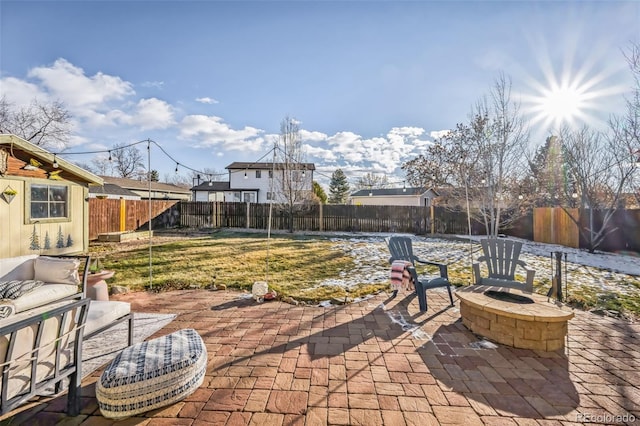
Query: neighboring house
[210, 191]
[159, 191]
[256, 183]
[109, 190]
[44, 206]
[394, 197]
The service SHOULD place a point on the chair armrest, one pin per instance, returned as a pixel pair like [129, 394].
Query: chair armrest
[443, 268]
[530, 274]
[477, 279]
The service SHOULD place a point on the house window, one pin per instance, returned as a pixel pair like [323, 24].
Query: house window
[49, 201]
[249, 197]
[270, 174]
[270, 195]
[258, 174]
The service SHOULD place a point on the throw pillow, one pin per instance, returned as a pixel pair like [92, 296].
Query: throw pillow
[7, 308]
[57, 270]
[16, 288]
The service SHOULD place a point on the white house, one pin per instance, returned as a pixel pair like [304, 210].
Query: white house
[393, 197]
[256, 182]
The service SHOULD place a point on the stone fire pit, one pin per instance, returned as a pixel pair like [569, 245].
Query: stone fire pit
[505, 316]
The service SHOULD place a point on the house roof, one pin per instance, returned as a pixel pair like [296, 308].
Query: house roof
[212, 186]
[390, 192]
[111, 189]
[23, 149]
[143, 185]
[268, 166]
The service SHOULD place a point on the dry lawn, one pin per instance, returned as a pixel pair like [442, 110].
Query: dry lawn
[295, 263]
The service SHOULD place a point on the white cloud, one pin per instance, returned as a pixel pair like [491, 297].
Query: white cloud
[320, 153]
[21, 93]
[154, 84]
[152, 114]
[68, 83]
[212, 131]
[310, 136]
[437, 134]
[207, 100]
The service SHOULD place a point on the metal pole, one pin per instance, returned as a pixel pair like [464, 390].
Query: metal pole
[149, 203]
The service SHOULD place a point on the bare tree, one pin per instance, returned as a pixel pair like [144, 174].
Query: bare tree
[46, 125]
[481, 161]
[600, 170]
[293, 181]
[128, 161]
[372, 181]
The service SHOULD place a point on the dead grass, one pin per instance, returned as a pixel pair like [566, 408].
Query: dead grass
[296, 264]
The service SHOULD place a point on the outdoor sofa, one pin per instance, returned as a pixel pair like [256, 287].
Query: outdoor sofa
[43, 324]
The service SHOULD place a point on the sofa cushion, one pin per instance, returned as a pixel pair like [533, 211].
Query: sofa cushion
[16, 288]
[56, 270]
[103, 313]
[43, 295]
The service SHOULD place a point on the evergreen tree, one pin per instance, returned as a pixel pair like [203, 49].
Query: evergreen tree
[69, 241]
[319, 192]
[35, 240]
[155, 177]
[47, 241]
[338, 188]
[60, 239]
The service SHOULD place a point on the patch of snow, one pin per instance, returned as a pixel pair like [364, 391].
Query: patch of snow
[600, 271]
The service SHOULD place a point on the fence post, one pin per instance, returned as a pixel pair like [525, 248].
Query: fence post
[247, 218]
[123, 215]
[320, 224]
[433, 219]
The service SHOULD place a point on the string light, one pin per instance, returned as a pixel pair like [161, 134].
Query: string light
[110, 159]
[55, 162]
[245, 174]
[404, 186]
[177, 164]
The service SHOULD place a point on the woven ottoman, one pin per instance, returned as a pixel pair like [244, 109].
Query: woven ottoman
[152, 374]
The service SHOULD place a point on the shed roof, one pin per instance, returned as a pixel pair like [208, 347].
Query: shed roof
[24, 149]
[143, 185]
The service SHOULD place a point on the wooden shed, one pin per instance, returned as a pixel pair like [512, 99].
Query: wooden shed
[43, 201]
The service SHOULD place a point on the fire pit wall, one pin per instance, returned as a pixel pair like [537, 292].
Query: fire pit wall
[538, 326]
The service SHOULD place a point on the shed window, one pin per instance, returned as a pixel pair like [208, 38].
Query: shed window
[49, 201]
[258, 174]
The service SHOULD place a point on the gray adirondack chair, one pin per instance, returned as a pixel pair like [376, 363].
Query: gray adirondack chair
[501, 257]
[401, 248]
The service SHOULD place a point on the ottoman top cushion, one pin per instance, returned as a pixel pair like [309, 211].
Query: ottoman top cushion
[163, 356]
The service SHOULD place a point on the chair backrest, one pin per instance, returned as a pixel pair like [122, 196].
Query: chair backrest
[501, 256]
[401, 248]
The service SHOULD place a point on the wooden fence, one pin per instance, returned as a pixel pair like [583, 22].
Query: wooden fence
[555, 225]
[109, 215]
[549, 225]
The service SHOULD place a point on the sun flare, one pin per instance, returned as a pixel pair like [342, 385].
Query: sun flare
[567, 91]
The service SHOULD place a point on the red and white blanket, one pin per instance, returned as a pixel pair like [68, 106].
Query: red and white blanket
[400, 276]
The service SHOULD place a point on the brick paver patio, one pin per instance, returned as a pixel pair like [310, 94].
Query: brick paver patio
[377, 362]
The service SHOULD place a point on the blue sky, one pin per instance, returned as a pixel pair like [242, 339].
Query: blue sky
[371, 83]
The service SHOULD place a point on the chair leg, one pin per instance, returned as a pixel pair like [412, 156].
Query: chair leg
[422, 297]
[130, 334]
[450, 294]
[73, 395]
